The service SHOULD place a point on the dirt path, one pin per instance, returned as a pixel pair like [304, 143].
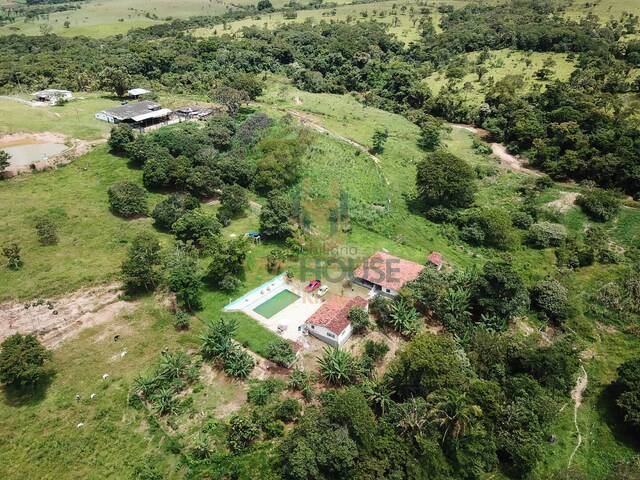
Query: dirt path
[514, 163]
[576, 396]
[59, 319]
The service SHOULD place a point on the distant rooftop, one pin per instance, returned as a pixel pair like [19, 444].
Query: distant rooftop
[135, 110]
[136, 92]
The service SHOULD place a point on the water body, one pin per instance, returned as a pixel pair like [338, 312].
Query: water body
[28, 153]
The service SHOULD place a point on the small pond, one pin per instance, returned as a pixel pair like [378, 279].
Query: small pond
[28, 153]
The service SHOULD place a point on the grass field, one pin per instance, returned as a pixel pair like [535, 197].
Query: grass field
[503, 63]
[404, 25]
[101, 18]
[92, 240]
[75, 118]
[41, 437]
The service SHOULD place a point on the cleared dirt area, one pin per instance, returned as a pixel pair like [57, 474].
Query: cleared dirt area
[59, 319]
[565, 203]
[515, 163]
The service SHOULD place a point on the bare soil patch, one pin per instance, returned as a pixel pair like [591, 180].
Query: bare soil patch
[515, 163]
[565, 203]
[59, 319]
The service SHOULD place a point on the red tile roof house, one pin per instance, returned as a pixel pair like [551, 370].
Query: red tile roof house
[436, 260]
[386, 274]
[330, 323]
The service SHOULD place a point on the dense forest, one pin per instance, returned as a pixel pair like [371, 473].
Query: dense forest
[576, 129]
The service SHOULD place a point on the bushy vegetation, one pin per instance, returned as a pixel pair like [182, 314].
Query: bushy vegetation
[127, 199]
[23, 360]
[218, 345]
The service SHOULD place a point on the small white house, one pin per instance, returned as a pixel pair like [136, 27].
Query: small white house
[52, 95]
[330, 323]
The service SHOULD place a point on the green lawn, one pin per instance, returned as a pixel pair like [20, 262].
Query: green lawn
[276, 303]
[92, 241]
[76, 118]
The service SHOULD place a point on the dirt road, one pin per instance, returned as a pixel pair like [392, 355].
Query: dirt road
[512, 162]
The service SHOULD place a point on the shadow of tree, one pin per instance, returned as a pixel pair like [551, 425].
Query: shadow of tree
[19, 396]
[614, 418]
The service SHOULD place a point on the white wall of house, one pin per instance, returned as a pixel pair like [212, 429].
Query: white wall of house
[389, 292]
[105, 117]
[328, 336]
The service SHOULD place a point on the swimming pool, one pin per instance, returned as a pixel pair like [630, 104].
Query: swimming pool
[276, 303]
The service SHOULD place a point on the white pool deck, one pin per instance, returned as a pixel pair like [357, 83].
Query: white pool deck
[286, 322]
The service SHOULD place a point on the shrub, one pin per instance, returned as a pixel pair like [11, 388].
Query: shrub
[140, 268]
[404, 318]
[196, 226]
[181, 320]
[375, 350]
[121, 136]
[550, 299]
[337, 367]
[22, 360]
[217, 340]
[599, 204]
[521, 220]
[546, 234]
[288, 410]
[281, 353]
[169, 210]
[359, 319]
[238, 363]
[127, 199]
[252, 129]
[12, 253]
[46, 230]
[262, 392]
[490, 227]
[241, 432]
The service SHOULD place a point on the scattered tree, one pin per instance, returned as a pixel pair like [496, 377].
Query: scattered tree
[23, 360]
[444, 180]
[140, 270]
[127, 199]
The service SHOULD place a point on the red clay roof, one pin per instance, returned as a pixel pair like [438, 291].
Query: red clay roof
[334, 311]
[388, 271]
[435, 258]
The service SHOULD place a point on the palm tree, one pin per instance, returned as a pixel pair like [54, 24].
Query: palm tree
[404, 317]
[378, 392]
[217, 340]
[173, 365]
[452, 412]
[238, 363]
[337, 367]
[413, 417]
